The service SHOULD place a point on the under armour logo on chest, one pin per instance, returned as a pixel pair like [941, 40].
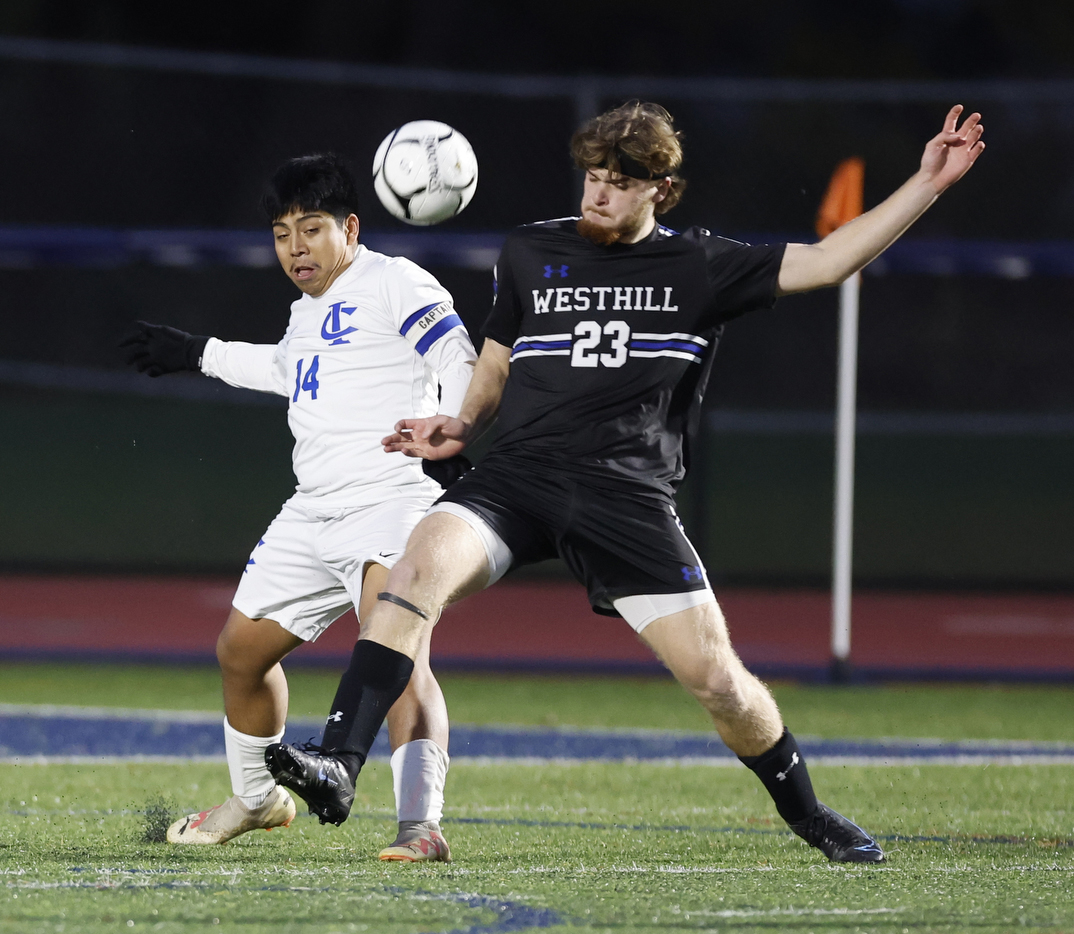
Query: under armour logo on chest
[550, 271]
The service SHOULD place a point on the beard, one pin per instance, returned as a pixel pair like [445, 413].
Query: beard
[601, 236]
[625, 230]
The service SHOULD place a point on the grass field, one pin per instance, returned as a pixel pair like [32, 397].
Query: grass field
[591, 847]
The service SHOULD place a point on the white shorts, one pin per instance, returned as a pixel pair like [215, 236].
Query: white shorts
[306, 571]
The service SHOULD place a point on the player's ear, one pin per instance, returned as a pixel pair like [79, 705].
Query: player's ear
[351, 228]
[662, 190]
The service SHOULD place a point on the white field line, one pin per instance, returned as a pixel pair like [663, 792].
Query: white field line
[110, 713]
[148, 883]
[967, 759]
[725, 761]
[107, 760]
[317, 873]
[852, 870]
[792, 912]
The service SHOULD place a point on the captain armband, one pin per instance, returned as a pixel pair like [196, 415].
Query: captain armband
[427, 325]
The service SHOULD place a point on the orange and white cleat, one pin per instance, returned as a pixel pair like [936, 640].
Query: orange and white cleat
[418, 842]
[232, 818]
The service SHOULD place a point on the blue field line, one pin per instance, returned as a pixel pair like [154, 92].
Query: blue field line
[45, 732]
[509, 915]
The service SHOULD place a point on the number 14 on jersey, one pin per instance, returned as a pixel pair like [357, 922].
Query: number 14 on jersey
[307, 383]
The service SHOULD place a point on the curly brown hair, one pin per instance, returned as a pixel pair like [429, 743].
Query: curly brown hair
[642, 131]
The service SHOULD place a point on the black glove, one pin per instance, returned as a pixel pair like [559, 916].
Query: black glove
[447, 471]
[157, 349]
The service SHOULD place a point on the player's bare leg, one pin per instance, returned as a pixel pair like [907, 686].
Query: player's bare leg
[255, 705]
[444, 561]
[695, 646]
[418, 732]
[255, 688]
[255, 702]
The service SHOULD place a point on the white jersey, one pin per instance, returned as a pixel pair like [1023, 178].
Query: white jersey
[353, 361]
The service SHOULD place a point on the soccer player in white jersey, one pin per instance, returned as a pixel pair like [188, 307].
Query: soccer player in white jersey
[372, 338]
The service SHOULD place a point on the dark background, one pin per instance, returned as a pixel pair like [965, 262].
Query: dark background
[109, 481]
[765, 38]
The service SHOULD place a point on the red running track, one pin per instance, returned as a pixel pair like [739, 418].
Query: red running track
[548, 625]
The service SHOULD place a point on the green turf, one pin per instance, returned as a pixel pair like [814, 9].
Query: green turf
[607, 848]
[1033, 712]
[593, 847]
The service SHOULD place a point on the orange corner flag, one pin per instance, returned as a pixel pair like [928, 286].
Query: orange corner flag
[844, 199]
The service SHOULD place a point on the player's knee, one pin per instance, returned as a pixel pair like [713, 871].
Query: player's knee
[238, 655]
[719, 688]
[402, 577]
[415, 580]
[229, 654]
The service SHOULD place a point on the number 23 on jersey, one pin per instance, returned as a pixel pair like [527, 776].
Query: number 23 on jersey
[588, 336]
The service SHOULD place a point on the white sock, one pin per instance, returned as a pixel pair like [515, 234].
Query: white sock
[250, 777]
[419, 771]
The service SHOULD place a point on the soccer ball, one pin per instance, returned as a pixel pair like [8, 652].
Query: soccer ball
[425, 172]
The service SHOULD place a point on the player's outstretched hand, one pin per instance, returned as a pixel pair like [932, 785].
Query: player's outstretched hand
[950, 154]
[434, 438]
[157, 349]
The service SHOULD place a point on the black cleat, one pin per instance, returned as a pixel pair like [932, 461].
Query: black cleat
[842, 841]
[316, 776]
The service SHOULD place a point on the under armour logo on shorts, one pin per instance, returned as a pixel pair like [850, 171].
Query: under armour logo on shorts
[337, 717]
[692, 574]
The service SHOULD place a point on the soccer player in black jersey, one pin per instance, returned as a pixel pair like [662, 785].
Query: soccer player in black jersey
[597, 353]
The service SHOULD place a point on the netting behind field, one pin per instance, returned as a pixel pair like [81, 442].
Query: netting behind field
[132, 138]
[130, 188]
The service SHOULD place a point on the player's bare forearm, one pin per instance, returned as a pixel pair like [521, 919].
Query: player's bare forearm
[854, 245]
[947, 157]
[486, 388]
[442, 436]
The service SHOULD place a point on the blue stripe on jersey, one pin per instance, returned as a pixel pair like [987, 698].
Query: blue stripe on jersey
[688, 346]
[409, 323]
[437, 331]
[541, 345]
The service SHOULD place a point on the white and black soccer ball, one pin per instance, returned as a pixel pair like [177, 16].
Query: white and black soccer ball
[425, 172]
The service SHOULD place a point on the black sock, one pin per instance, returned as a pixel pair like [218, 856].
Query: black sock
[782, 771]
[373, 682]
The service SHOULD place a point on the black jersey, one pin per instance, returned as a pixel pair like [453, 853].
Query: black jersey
[611, 346]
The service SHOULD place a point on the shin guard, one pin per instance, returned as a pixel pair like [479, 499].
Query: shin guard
[373, 682]
[782, 771]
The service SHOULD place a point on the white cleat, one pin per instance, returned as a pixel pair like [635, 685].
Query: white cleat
[232, 818]
[418, 842]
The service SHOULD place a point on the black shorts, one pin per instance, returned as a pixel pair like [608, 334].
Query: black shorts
[618, 544]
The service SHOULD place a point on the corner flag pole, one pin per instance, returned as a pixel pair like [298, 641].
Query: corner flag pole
[842, 203]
